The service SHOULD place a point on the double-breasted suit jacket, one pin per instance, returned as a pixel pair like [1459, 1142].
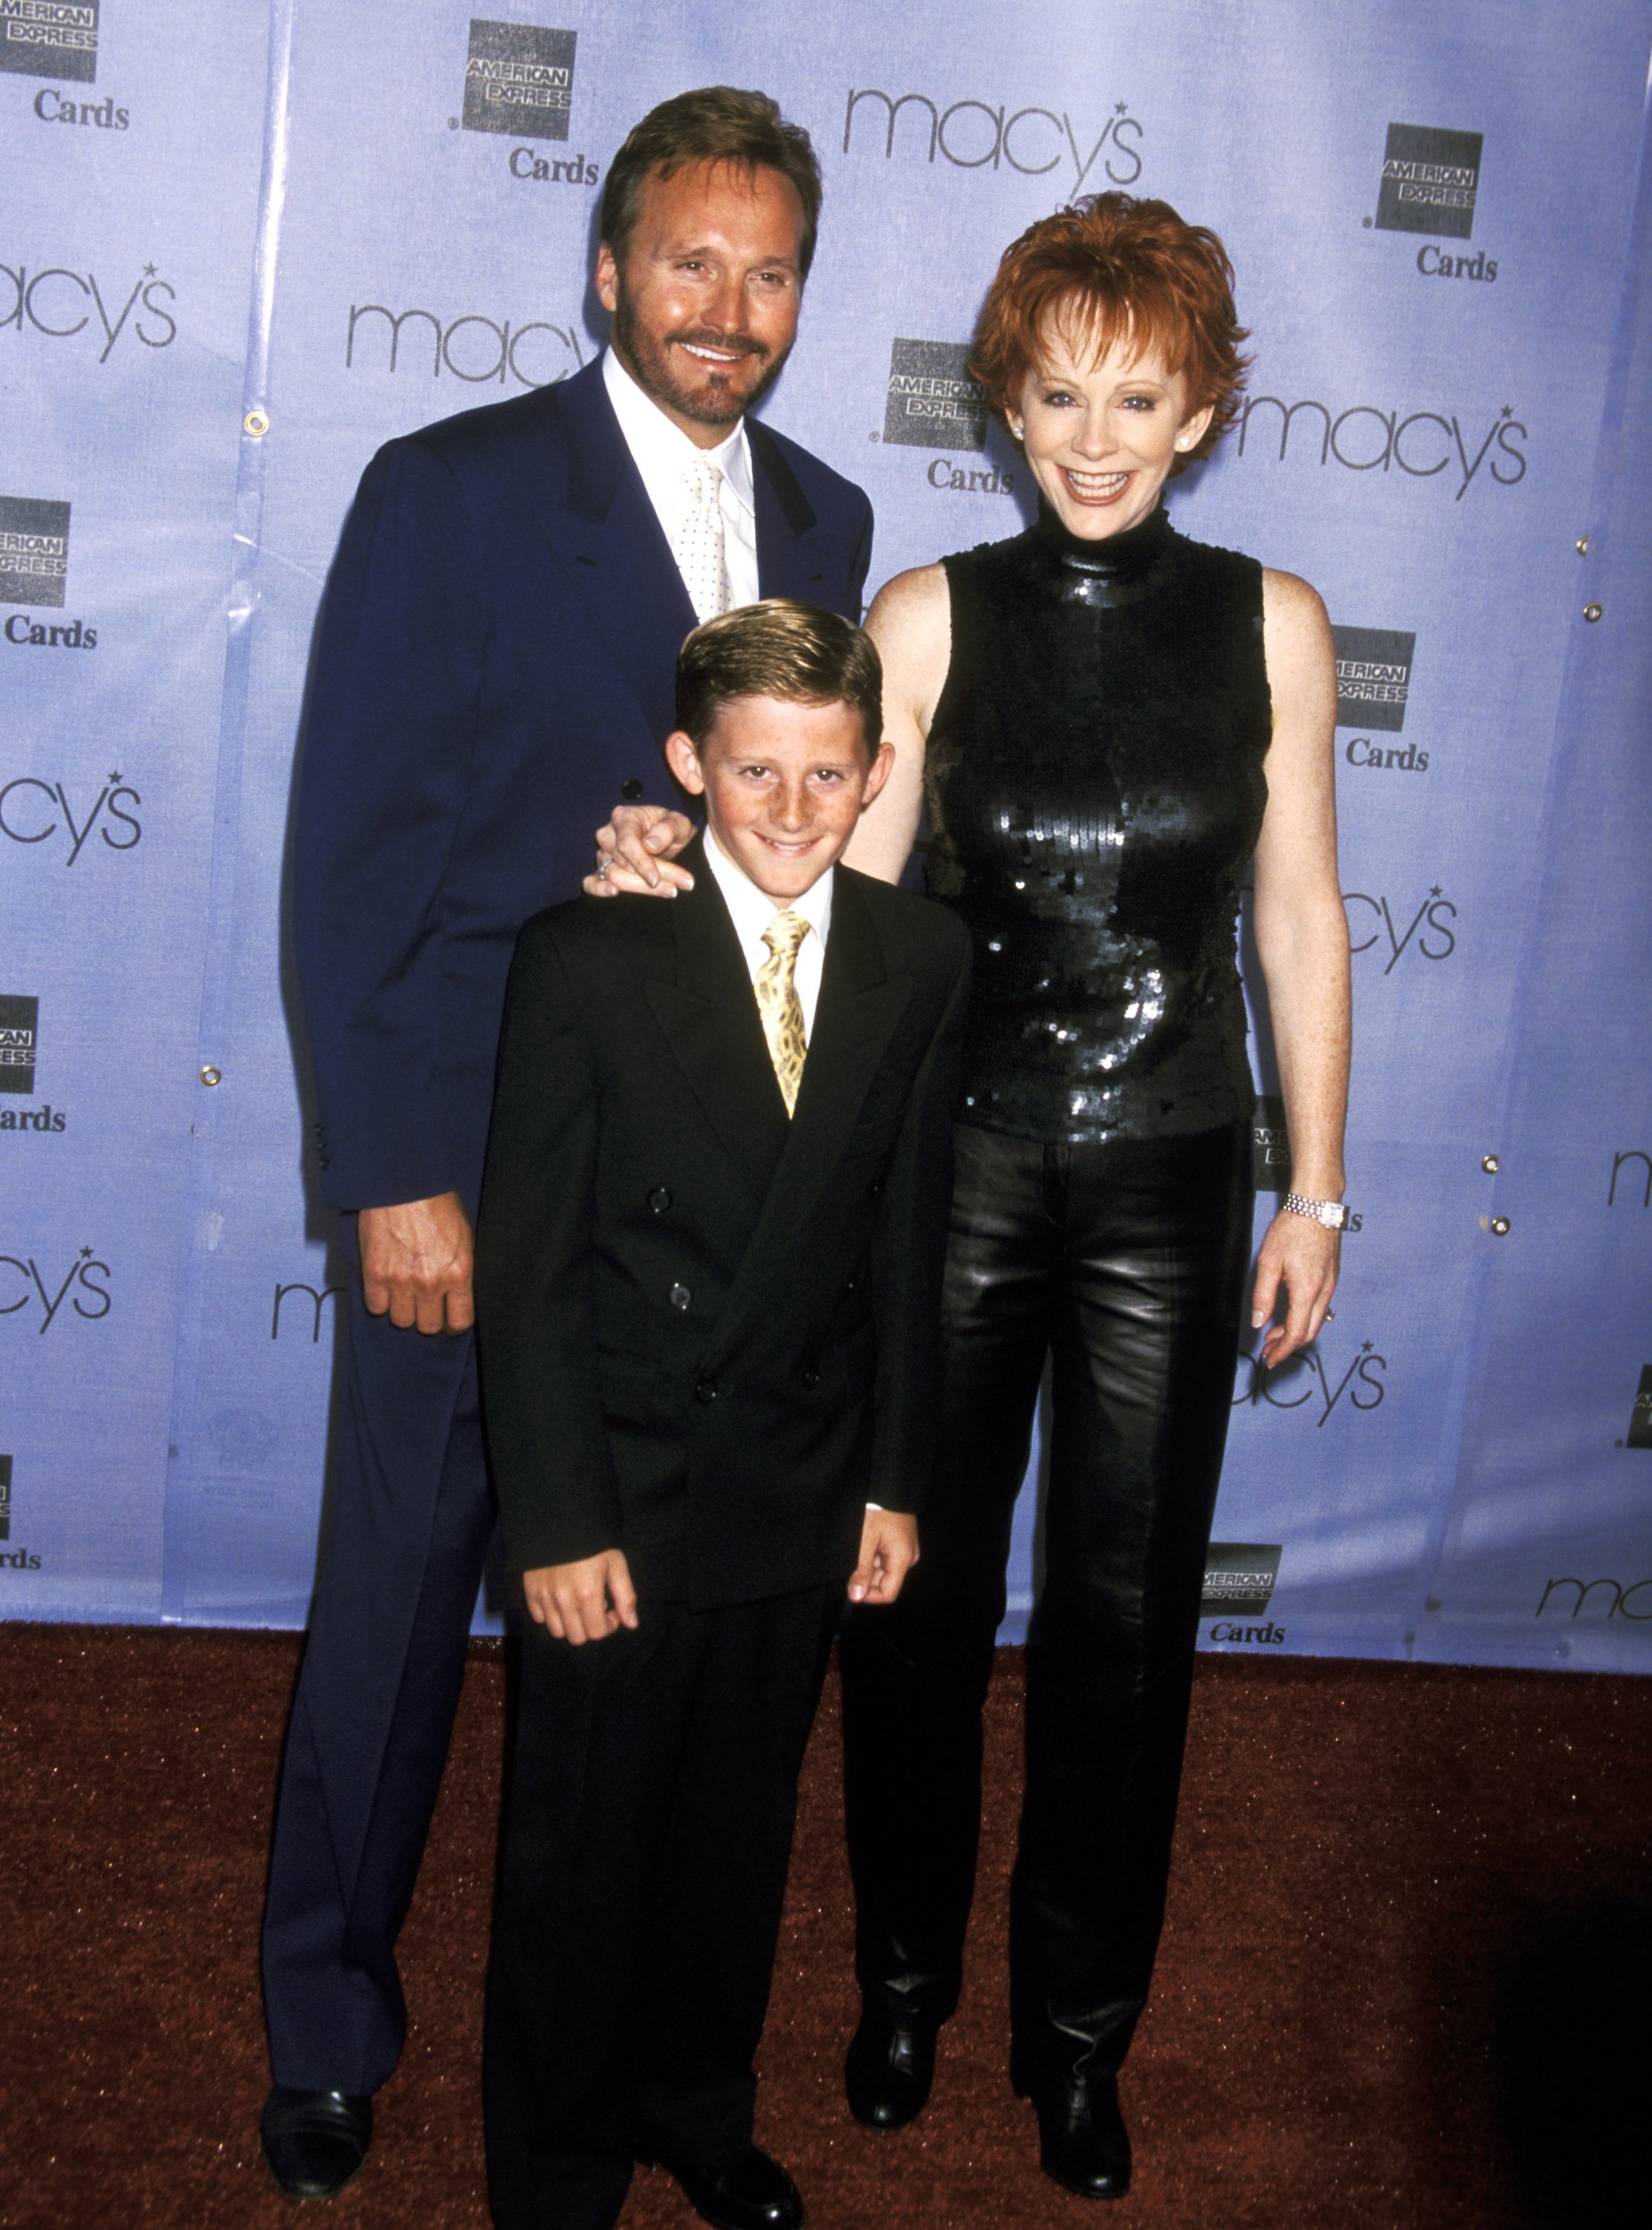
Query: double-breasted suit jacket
[493, 667]
[709, 1334]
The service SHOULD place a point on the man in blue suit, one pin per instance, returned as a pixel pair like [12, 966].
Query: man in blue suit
[495, 665]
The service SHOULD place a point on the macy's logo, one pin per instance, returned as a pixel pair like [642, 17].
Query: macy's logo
[24, 1279]
[317, 1297]
[30, 811]
[483, 355]
[1306, 1379]
[1364, 440]
[1617, 1607]
[55, 302]
[981, 135]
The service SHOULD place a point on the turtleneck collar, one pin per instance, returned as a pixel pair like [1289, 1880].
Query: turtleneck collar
[1119, 569]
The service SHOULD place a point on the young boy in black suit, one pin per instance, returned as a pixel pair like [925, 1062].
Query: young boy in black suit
[708, 1282]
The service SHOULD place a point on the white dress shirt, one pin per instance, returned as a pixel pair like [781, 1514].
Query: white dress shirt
[661, 451]
[752, 911]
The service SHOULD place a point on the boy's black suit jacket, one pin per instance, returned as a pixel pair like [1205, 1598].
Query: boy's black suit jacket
[709, 1334]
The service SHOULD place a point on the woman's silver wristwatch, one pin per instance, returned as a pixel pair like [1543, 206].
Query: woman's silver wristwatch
[1331, 1213]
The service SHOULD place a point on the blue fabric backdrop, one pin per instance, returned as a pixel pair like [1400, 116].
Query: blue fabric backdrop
[246, 240]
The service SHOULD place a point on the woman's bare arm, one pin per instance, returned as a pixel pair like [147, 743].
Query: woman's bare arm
[911, 621]
[1302, 942]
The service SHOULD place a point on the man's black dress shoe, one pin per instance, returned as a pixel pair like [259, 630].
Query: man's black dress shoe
[1083, 2140]
[888, 2069]
[315, 2140]
[757, 2194]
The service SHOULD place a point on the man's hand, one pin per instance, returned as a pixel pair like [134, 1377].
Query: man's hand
[1302, 1257]
[889, 1548]
[584, 1601]
[416, 1263]
[636, 849]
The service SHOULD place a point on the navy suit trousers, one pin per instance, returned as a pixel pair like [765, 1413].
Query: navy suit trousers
[405, 1533]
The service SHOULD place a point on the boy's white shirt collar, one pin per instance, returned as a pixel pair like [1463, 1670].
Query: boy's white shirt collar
[752, 910]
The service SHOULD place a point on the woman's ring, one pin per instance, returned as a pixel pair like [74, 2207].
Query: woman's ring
[603, 865]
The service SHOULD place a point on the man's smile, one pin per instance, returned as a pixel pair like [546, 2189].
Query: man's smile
[710, 355]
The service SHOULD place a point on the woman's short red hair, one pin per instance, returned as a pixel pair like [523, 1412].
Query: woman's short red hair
[1112, 267]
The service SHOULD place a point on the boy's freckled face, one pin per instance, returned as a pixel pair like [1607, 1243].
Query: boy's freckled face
[784, 786]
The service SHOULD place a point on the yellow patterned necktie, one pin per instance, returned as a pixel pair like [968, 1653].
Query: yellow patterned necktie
[778, 1003]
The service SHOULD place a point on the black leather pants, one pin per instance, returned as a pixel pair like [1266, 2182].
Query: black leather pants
[1125, 1264]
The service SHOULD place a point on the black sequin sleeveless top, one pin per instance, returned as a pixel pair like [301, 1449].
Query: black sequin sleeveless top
[1095, 791]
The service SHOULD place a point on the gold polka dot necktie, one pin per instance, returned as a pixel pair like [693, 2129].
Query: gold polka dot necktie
[779, 1005]
[701, 558]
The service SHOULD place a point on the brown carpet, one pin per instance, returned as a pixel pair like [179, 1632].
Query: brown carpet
[1407, 1978]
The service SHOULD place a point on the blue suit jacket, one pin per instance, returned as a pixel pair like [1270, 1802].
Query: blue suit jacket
[495, 664]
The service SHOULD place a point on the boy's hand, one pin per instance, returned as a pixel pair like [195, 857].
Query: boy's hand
[584, 1601]
[889, 1548]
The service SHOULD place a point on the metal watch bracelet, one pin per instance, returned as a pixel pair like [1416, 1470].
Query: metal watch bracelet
[1331, 1213]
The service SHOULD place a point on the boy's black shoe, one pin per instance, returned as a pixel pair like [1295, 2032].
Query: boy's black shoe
[315, 2140]
[756, 2194]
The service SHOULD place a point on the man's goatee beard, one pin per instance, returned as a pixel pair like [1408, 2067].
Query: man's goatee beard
[648, 365]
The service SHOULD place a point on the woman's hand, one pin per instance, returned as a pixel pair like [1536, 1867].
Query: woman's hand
[635, 850]
[1302, 1258]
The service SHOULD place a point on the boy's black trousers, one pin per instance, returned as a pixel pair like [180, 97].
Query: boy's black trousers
[649, 1808]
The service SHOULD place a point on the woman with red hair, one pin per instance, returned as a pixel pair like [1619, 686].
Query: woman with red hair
[1107, 722]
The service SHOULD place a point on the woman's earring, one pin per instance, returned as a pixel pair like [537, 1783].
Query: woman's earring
[1018, 433]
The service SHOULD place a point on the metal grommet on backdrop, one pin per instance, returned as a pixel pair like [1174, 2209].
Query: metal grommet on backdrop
[1592, 611]
[256, 422]
[1500, 1226]
[1490, 1163]
[1583, 545]
[210, 1075]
